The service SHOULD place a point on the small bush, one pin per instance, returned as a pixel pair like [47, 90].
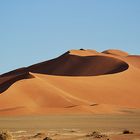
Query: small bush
[39, 135]
[47, 138]
[5, 135]
[95, 134]
[127, 132]
[82, 49]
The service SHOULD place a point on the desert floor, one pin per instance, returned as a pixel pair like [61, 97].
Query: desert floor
[74, 127]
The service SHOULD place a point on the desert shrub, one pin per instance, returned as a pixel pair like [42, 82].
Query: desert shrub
[82, 49]
[95, 134]
[127, 132]
[5, 135]
[72, 131]
[39, 135]
[47, 138]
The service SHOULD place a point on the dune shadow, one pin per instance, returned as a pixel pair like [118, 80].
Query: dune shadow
[7, 81]
[71, 65]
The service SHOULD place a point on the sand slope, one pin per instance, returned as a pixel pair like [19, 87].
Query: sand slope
[78, 82]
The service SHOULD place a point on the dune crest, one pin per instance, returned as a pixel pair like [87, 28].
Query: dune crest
[9, 79]
[83, 52]
[116, 52]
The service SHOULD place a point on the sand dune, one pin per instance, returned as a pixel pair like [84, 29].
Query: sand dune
[116, 52]
[134, 60]
[78, 82]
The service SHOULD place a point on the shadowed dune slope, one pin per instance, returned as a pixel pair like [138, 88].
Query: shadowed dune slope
[78, 82]
[15, 72]
[9, 79]
[72, 65]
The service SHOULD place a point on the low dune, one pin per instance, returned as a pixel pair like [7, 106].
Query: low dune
[134, 60]
[116, 52]
[77, 82]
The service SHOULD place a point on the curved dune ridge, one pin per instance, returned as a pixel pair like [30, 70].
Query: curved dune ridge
[74, 65]
[9, 79]
[79, 81]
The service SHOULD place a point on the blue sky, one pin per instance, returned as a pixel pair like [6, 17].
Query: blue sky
[36, 30]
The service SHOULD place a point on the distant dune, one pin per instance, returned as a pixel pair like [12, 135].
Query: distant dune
[77, 82]
[116, 52]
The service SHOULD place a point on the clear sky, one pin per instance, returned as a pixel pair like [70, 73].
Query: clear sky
[36, 30]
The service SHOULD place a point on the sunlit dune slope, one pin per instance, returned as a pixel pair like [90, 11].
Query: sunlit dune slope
[116, 52]
[134, 60]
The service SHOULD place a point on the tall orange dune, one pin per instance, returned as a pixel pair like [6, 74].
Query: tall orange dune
[77, 82]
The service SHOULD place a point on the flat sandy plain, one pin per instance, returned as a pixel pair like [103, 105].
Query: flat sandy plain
[72, 127]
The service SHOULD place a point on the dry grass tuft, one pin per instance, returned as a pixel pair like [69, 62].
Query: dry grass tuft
[47, 138]
[5, 135]
[96, 134]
